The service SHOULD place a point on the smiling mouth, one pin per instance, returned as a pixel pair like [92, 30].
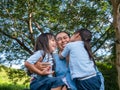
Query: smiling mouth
[54, 46]
[64, 45]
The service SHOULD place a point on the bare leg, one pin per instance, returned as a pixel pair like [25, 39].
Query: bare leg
[60, 88]
[64, 88]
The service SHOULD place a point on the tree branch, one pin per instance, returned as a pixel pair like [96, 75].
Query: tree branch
[100, 39]
[19, 42]
[38, 26]
[100, 45]
[30, 29]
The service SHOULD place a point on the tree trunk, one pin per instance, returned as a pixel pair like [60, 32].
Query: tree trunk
[116, 21]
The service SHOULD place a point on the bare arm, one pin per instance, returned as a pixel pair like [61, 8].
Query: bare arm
[36, 70]
[41, 65]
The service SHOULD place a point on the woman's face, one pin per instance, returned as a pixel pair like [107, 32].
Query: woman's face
[62, 39]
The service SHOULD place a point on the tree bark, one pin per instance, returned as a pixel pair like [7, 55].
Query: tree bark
[116, 21]
[118, 43]
[30, 29]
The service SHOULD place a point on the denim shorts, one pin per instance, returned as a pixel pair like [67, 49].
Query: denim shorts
[46, 84]
[92, 83]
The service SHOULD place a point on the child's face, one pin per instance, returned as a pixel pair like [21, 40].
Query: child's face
[52, 44]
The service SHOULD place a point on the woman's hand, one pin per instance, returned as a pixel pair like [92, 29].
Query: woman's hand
[46, 71]
[39, 68]
[44, 67]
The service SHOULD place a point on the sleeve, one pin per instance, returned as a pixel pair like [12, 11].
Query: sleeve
[65, 51]
[35, 57]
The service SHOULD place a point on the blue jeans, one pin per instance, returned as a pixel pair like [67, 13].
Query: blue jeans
[46, 83]
[102, 87]
[92, 83]
[101, 78]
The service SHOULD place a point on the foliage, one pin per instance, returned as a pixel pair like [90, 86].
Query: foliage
[110, 75]
[11, 87]
[22, 21]
[13, 78]
[14, 81]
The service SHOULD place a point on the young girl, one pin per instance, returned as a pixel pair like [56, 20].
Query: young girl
[43, 79]
[81, 61]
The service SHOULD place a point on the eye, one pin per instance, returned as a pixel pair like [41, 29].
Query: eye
[59, 39]
[53, 40]
[65, 37]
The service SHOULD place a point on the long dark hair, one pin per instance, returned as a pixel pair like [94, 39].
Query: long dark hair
[86, 36]
[42, 42]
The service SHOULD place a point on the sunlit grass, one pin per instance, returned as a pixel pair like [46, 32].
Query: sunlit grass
[7, 84]
[4, 77]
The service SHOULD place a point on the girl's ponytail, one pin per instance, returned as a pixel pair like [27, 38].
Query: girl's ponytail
[88, 48]
[86, 36]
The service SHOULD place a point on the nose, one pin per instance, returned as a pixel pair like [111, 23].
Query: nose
[63, 40]
[55, 43]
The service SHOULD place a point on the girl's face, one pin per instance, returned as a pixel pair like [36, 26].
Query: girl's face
[62, 39]
[52, 44]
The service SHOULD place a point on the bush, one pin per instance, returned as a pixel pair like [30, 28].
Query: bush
[11, 87]
[110, 75]
[13, 79]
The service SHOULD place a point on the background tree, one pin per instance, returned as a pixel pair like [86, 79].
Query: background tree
[21, 21]
[116, 22]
